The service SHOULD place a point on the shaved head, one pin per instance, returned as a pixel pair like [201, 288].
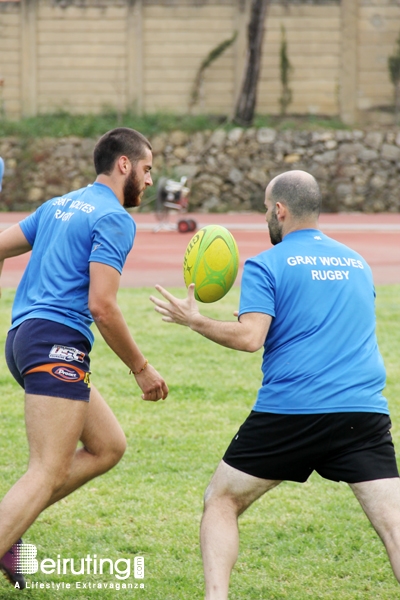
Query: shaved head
[299, 191]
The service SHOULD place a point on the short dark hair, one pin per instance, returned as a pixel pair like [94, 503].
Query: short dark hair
[299, 191]
[118, 142]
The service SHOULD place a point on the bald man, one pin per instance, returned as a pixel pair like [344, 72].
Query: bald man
[309, 301]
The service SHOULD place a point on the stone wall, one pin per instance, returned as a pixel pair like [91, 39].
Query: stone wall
[357, 170]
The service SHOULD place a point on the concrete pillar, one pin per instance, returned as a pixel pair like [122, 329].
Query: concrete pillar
[349, 62]
[135, 56]
[29, 57]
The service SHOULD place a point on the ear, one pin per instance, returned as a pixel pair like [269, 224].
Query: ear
[123, 164]
[281, 211]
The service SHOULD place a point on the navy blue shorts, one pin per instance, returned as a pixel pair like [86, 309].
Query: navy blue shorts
[49, 359]
[350, 447]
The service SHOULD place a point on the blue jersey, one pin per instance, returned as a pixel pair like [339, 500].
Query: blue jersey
[321, 353]
[66, 234]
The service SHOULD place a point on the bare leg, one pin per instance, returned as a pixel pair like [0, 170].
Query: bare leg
[104, 444]
[53, 427]
[56, 468]
[229, 494]
[380, 500]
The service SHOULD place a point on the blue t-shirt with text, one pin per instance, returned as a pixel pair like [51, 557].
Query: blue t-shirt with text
[321, 353]
[66, 234]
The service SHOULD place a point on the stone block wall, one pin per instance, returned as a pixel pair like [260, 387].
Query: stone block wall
[228, 171]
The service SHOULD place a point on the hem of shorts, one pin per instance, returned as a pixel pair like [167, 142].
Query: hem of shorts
[297, 480]
[365, 480]
[354, 409]
[257, 476]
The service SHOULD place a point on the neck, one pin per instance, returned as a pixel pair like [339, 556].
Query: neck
[298, 225]
[115, 186]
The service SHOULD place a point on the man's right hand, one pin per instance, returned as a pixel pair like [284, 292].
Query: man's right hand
[152, 384]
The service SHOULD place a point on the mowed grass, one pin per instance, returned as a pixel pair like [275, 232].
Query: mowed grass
[298, 542]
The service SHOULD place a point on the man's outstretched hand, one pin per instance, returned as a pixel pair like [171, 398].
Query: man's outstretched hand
[175, 310]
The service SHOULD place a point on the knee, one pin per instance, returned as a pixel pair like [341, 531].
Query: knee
[112, 453]
[118, 449]
[60, 476]
[50, 476]
[209, 495]
[222, 500]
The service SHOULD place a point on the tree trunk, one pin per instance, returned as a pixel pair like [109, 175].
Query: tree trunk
[245, 106]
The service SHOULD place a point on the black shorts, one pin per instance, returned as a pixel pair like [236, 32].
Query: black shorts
[49, 359]
[350, 447]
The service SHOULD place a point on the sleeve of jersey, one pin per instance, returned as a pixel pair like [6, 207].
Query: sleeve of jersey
[29, 226]
[112, 240]
[257, 289]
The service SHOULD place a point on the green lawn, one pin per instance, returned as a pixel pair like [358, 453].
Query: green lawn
[62, 124]
[298, 542]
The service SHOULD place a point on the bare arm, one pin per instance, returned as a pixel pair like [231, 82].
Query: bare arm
[104, 283]
[247, 334]
[12, 243]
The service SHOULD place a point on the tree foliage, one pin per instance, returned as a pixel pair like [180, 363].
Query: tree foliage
[209, 59]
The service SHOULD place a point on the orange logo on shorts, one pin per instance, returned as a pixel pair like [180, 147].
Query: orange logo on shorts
[62, 372]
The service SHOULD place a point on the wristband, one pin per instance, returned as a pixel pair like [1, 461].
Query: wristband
[146, 362]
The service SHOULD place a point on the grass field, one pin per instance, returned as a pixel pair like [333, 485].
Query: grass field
[298, 542]
[63, 124]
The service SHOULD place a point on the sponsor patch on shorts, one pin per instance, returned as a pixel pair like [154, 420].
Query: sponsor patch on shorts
[66, 353]
[62, 372]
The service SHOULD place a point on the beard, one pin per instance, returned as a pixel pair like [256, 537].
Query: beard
[132, 191]
[275, 230]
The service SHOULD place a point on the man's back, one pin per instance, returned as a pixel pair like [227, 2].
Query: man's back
[320, 354]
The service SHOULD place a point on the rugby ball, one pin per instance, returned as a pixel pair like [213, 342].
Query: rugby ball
[211, 262]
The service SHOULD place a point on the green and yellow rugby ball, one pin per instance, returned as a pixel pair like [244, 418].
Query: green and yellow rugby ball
[211, 262]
